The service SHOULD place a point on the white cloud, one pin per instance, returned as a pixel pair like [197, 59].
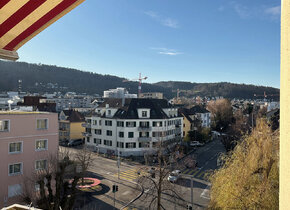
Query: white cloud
[166, 21]
[165, 51]
[275, 11]
[261, 12]
[241, 10]
[151, 14]
[170, 23]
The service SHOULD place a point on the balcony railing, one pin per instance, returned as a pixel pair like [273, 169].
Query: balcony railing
[144, 128]
[144, 139]
[86, 125]
[86, 134]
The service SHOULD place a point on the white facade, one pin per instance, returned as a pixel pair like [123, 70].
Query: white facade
[205, 119]
[65, 103]
[131, 136]
[118, 93]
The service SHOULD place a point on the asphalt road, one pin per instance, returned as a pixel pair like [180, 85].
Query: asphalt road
[107, 171]
[206, 157]
[207, 161]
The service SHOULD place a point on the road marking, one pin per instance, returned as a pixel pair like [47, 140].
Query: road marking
[196, 172]
[205, 193]
[200, 174]
[131, 174]
[186, 170]
[191, 172]
[126, 192]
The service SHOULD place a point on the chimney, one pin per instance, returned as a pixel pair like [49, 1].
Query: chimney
[107, 105]
[123, 101]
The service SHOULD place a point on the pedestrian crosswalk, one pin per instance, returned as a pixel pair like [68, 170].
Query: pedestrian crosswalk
[131, 174]
[196, 173]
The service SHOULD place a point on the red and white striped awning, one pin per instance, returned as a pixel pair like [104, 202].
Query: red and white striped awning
[21, 20]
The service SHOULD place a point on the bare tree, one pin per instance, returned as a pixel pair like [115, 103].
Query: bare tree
[84, 159]
[156, 183]
[57, 182]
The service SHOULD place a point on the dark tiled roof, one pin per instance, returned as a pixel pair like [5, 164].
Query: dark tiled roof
[74, 116]
[192, 111]
[131, 106]
[114, 102]
[187, 117]
[197, 109]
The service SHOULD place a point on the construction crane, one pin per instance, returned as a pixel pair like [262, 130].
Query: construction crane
[140, 79]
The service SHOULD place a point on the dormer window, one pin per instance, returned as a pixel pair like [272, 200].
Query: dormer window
[109, 112]
[144, 113]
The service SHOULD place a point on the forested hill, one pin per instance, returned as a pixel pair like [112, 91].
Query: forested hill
[45, 78]
[67, 79]
[225, 89]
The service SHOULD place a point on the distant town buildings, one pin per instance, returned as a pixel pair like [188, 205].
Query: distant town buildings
[27, 139]
[38, 103]
[155, 95]
[118, 93]
[195, 117]
[133, 126]
[63, 103]
[273, 105]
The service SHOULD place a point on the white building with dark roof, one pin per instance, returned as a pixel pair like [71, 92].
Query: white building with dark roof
[133, 126]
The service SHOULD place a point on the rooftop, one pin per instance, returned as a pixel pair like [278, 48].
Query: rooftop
[17, 112]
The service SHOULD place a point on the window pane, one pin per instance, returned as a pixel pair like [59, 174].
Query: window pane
[10, 169]
[4, 125]
[42, 124]
[12, 147]
[17, 168]
[41, 144]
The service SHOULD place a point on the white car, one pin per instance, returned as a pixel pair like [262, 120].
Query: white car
[174, 176]
[196, 144]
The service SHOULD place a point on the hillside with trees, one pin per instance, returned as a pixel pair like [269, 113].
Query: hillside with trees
[225, 89]
[48, 78]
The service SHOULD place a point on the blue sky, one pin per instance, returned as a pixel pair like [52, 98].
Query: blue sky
[182, 40]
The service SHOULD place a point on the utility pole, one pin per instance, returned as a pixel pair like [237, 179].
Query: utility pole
[115, 189]
[118, 163]
[114, 200]
[191, 189]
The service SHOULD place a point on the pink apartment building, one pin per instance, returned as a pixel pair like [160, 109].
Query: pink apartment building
[27, 140]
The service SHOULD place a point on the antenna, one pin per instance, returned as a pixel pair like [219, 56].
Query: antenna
[9, 104]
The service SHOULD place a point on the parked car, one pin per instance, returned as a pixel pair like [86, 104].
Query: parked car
[174, 176]
[64, 142]
[196, 144]
[76, 142]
